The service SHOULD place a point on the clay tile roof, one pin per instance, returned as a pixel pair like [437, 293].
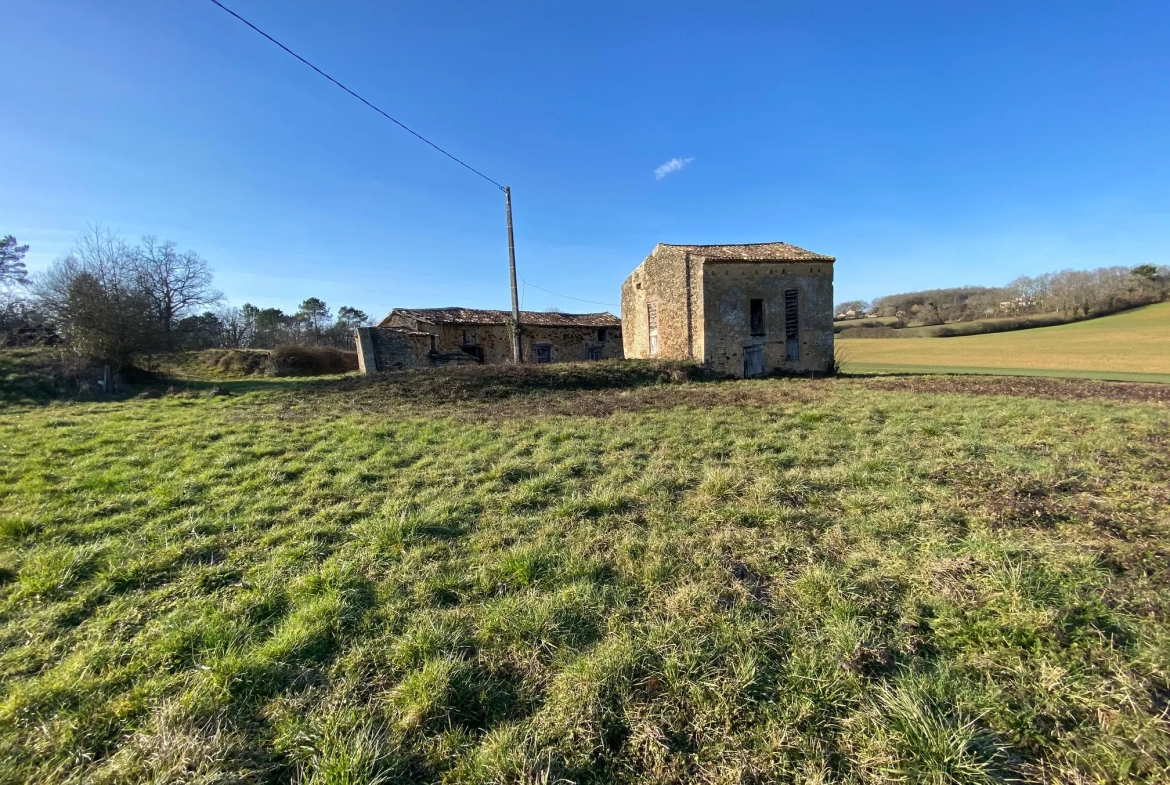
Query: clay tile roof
[763, 252]
[456, 315]
[405, 331]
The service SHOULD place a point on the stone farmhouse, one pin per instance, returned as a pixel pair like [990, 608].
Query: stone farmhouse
[745, 310]
[427, 337]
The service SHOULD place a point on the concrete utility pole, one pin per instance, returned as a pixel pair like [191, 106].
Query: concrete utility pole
[512, 271]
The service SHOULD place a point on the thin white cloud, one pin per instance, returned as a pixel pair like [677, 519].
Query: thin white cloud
[673, 165]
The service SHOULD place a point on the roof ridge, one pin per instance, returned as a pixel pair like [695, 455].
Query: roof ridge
[724, 245]
[457, 314]
[772, 251]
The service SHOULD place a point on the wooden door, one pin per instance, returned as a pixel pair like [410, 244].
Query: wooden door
[753, 361]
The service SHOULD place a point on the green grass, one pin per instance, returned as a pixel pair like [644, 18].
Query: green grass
[1133, 342]
[41, 374]
[771, 581]
[1027, 322]
[894, 368]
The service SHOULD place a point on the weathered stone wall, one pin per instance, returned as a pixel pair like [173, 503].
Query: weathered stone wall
[729, 286]
[568, 344]
[383, 349]
[405, 322]
[662, 279]
[367, 358]
[492, 338]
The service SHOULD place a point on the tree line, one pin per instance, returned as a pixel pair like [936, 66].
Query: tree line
[1071, 294]
[124, 303]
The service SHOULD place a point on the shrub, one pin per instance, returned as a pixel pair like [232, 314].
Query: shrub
[292, 360]
[998, 326]
[869, 332]
[41, 374]
[237, 362]
[859, 324]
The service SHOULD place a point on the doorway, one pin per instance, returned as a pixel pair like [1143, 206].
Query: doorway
[753, 361]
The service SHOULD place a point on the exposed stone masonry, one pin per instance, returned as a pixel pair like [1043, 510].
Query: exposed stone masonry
[702, 295]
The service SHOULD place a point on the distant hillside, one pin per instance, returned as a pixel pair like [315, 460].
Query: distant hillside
[1133, 342]
[1070, 294]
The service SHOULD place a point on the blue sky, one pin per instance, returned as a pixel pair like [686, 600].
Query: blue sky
[923, 144]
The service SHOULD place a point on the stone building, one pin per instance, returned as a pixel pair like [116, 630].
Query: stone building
[745, 310]
[424, 337]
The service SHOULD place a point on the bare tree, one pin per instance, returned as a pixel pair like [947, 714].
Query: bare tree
[177, 283]
[99, 252]
[239, 327]
[95, 297]
[110, 321]
[858, 307]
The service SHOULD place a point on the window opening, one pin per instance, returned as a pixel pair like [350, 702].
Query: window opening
[757, 317]
[543, 352]
[592, 352]
[652, 324]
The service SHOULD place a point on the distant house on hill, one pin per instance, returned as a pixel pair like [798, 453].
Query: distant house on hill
[746, 310]
[424, 337]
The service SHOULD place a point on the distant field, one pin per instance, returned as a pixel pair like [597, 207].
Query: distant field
[1126, 345]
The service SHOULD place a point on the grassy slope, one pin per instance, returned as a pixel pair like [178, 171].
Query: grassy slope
[1136, 341]
[341, 584]
[924, 331]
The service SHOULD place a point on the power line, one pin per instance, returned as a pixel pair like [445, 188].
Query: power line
[567, 297]
[355, 95]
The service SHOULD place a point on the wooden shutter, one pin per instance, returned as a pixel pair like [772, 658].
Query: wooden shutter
[791, 324]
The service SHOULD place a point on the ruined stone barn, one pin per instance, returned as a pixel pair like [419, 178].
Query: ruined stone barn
[425, 337]
[745, 310]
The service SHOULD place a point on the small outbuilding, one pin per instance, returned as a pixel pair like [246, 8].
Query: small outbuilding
[745, 310]
[424, 337]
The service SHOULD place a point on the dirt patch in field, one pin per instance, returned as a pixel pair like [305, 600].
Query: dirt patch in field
[464, 402]
[571, 390]
[1027, 387]
[1011, 500]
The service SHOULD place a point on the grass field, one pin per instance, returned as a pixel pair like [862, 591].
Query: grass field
[928, 331]
[1133, 342]
[589, 574]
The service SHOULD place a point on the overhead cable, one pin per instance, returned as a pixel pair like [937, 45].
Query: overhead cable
[567, 297]
[355, 95]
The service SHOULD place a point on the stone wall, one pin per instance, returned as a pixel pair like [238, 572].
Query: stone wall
[728, 289]
[382, 349]
[703, 310]
[567, 344]
[663, 279]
